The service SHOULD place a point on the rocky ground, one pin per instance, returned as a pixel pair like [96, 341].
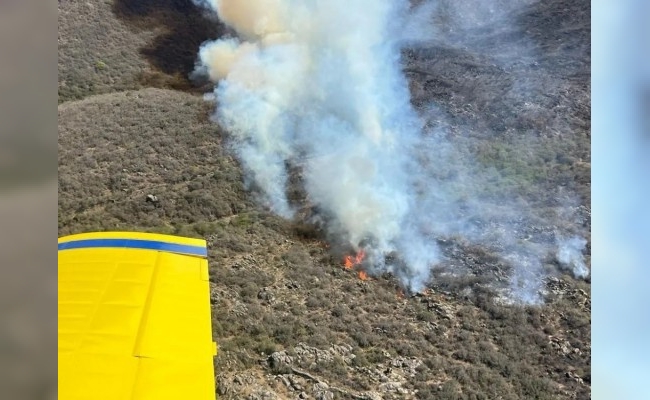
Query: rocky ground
[137, 151]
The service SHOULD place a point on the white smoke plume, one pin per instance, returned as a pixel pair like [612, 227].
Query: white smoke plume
[318, 85]
[569, 255]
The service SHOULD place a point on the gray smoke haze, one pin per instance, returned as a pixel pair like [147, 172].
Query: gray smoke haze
[490, 35]
[569, 254]
[318, 85]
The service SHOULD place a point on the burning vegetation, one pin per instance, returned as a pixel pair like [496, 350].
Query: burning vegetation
[351, 261]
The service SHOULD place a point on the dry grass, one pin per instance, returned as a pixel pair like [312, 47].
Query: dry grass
[97, 52]
[116, 149]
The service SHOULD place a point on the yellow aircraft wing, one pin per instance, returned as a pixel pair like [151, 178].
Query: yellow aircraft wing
[134, 318]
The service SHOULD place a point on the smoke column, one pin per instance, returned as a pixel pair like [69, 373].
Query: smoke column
[318, 84]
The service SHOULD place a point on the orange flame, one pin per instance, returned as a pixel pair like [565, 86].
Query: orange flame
[350, 261]
[363, 275]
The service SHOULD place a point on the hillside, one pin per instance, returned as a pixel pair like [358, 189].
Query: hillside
[290, 321]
